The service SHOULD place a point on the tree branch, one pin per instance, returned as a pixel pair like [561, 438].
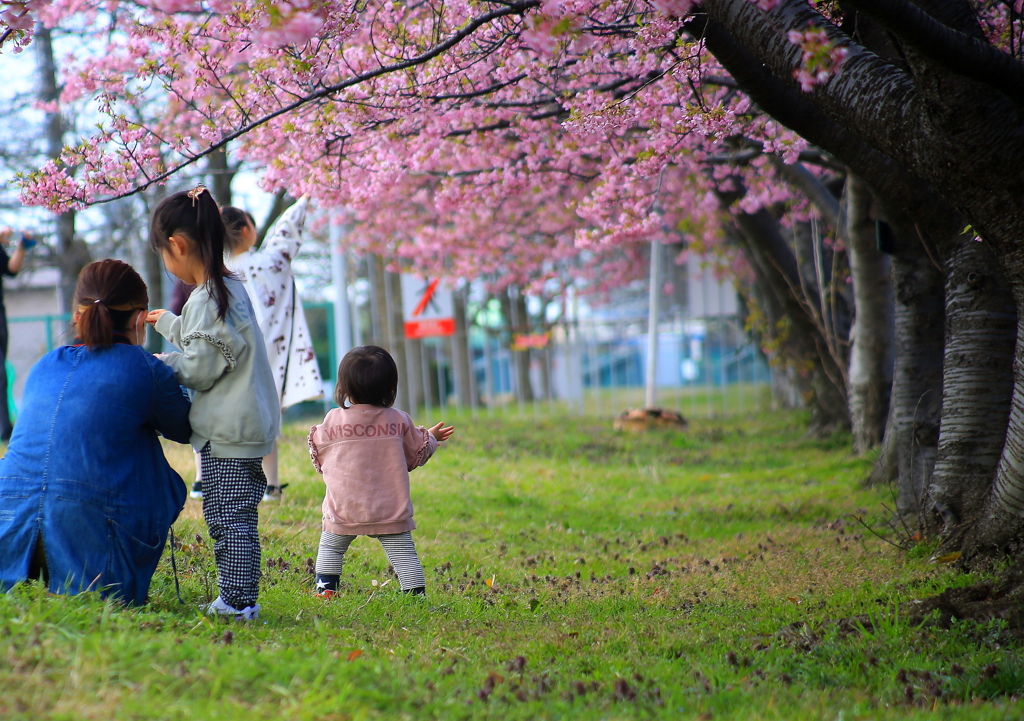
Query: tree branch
[784, 102]
[898, 189]
[822, 198]
[955, 51]
[516, 8]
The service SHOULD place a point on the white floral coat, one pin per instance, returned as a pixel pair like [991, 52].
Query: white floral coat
[267, 276]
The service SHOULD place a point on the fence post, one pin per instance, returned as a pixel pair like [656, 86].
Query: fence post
[341, 322]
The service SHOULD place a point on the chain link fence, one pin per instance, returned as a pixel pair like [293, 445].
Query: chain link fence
[705, 367]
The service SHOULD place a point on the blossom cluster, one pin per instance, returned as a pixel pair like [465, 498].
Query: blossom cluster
[820, 57]
[553, 141]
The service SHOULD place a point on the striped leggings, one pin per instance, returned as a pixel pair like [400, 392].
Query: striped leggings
[399, 547]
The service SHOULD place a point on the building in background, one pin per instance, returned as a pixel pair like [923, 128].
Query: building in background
[34, 321]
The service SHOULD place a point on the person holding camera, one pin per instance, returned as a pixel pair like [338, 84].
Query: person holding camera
[9, 266]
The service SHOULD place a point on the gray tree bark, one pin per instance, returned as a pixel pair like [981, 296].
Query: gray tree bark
[282, 201]
[394, 329]
[917, 375]
[871, 338]
[154, 268]
[958, 129]
[981, 330]
[885, 471]
[463, 366]
[375, 275]
[221, 174]
[513, 305]
[71, 255]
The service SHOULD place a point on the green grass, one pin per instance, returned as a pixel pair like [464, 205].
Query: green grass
[695, 575]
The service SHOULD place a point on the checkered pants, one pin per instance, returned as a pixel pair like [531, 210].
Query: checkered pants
[232, 488]
[399, 547]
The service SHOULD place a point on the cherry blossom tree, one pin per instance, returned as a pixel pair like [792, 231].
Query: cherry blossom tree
[492, 136]
[544, 119]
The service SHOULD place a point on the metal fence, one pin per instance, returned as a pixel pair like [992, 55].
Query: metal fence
[705, 367]
[29, 339]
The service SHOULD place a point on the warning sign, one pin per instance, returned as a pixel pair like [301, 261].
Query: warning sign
[426, 307]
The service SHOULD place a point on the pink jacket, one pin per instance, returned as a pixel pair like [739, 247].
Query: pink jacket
[365, 454]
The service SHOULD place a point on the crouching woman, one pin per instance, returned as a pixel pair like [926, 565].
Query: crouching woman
[86, 495]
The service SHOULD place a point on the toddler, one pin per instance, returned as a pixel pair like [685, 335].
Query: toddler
[365, 452]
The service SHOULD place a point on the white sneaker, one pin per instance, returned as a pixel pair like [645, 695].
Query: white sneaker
[221, 608]
[273, 493]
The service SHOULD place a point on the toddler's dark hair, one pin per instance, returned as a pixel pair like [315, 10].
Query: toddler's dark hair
[367, 375]
[195, 215]
[235, 221]
[108, 294]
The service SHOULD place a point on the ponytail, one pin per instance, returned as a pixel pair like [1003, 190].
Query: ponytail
[195, 215]
[108, 293]
[236, 221]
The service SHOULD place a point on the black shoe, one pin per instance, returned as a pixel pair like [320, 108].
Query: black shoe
[273, 493]
[197, 490]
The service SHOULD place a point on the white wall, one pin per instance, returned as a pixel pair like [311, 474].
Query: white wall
[31, 294]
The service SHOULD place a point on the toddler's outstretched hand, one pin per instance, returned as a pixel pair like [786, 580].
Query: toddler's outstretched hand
[440, 433]
[152, 316]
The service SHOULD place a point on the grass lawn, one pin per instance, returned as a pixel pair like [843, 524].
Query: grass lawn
[571, 573]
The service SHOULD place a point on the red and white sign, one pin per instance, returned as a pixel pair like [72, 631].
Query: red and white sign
[426, 307]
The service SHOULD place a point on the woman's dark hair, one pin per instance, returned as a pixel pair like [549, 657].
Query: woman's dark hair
[235, 221]
[367, 374]
[195, 215]
[108, 293]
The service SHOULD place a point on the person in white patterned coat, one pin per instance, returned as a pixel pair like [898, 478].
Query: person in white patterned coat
[267, 276]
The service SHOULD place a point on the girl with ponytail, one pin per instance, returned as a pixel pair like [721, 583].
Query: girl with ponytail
[222, 359]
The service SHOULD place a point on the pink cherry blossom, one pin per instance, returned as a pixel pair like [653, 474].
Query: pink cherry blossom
[551, 145]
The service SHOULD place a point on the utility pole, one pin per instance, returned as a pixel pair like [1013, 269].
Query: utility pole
[650, 393]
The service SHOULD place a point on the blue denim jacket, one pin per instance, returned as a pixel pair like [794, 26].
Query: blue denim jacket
[85, 471]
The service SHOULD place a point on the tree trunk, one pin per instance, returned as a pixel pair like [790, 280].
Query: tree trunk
[885, 471]
[154, 268]
[282, 201]
[981, 332]
[955, 128]
[71, 255]
[871, 338]
[1001, 517]
[394, 332]
[460, 349]
[221, 175]
[513, 305]
[917, 375]
[375, 275]
[796, 334]
[544, 355]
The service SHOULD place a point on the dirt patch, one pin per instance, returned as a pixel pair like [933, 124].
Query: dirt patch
[982, 603]
[637, 420]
